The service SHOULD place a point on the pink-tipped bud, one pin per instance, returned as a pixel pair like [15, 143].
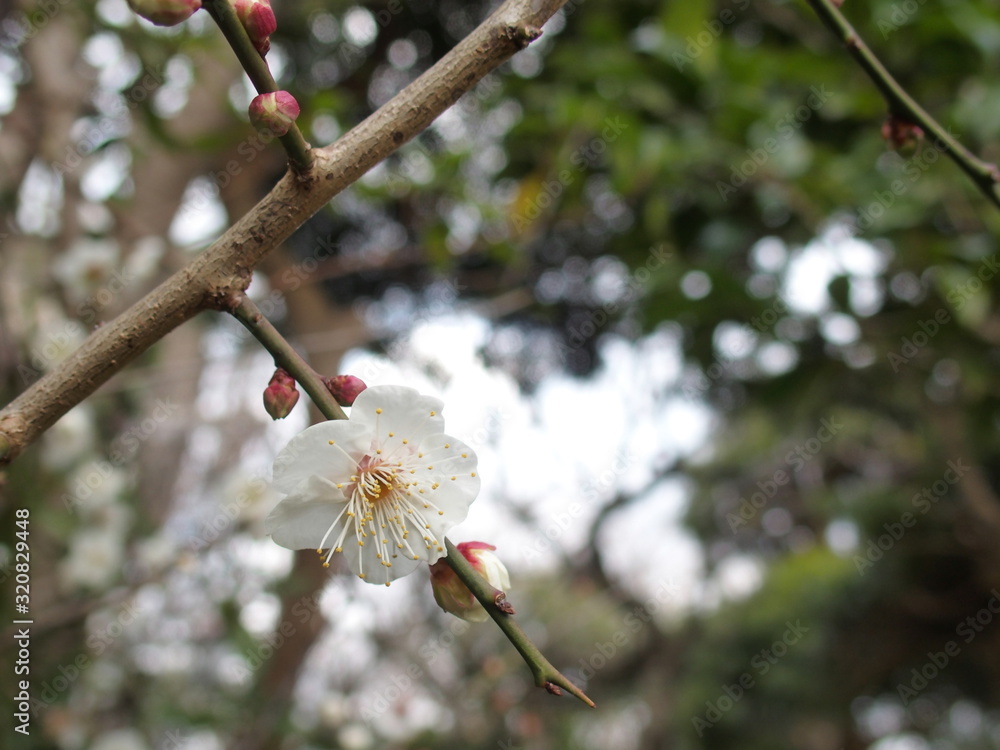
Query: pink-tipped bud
[345, 388]
[900, 134]
[274, 112]
[454, 596]
[281, 395]
[259, 21]
[165, 12]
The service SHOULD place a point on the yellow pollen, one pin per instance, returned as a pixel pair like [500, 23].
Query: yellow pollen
[326, 565]
[453, 478]
[433, 413]
[392, 434]
[378, 411]
[447, 445]
[405, 441]
[430, 467]
[472, 474]
[331, 442]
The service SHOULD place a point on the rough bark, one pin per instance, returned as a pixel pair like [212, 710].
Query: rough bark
[213, 279]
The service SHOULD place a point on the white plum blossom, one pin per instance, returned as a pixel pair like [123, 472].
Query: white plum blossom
[383, 487]
[94, 560]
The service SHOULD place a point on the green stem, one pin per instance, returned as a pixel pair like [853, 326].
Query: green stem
[983, 174]
[286, 357]
[260, 75]
[546, 675]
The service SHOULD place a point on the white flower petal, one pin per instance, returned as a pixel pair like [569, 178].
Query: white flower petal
[382, 489]
[364, 560]
[302, 518]
[311, 453]
[405, 413]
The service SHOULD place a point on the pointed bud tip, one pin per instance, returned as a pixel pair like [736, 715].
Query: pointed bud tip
[274, 111]
[344, 388]
[281, 395]
[258, 19]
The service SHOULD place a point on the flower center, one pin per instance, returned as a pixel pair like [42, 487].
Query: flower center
[375, 480]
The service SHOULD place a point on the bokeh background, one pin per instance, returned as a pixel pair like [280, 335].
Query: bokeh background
[729, 363]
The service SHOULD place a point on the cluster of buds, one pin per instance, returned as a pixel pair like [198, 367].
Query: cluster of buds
[165, 12]
[259, 21]
[454, 596]
[344, 388]
[274, 112]
[281, 395]
[901, 134]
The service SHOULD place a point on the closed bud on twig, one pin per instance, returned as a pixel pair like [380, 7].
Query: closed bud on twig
[281, 395]
[901, 134]
[165, 12]
[454, 596]
[344, 388]
[259, 21]
[275, 111]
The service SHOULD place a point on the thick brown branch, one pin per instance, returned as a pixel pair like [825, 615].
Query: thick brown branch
[218, 275]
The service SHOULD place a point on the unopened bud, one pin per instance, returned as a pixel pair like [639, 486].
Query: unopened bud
[165, 12]
[345, 388]
[259, 21]
[281, 395]
[900, 134]
[454, 596]
[275, 112]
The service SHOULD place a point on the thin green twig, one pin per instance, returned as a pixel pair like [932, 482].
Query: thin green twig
[985, 175]
[286, 357]
[260, 75]
[546, 675]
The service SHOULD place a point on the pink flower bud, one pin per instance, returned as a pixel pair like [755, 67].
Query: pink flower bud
[900, 134]
[280, 395]
[454, 596]
[345, 388]
[274, 112]
[165, 12]
[259, 21]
